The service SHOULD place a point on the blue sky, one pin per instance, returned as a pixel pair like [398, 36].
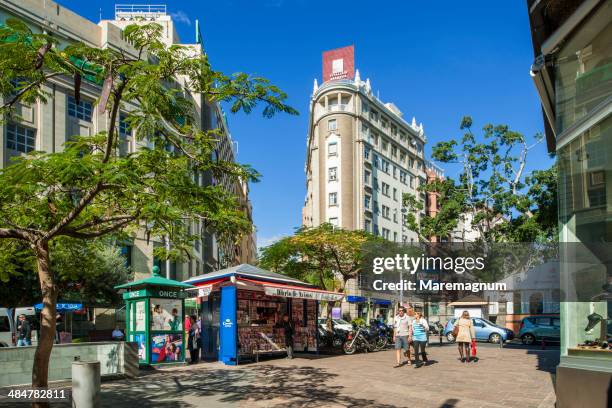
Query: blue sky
[437, 61]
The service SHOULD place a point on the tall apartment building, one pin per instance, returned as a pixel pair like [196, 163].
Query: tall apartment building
[572, 72]
[362, 156]
[46, 126]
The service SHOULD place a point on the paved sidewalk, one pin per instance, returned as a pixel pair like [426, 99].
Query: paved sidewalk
[508, 377]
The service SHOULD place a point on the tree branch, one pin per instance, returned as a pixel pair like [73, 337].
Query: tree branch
[98, 233]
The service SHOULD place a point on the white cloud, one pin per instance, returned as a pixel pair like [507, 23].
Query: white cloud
[181, 17]
[264, 242]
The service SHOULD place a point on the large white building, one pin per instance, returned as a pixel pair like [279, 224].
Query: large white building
[362, 156]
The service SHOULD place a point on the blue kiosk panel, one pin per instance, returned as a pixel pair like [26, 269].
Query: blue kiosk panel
[228, 330]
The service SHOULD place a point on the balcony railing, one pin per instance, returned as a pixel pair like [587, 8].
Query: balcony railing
[337, 108]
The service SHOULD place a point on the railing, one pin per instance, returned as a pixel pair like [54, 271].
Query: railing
[139, 10]
[336, 108]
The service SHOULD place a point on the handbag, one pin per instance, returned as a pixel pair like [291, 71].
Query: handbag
[455, 330]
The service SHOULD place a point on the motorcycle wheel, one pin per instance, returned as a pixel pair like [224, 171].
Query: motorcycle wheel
[381, 343]
[337, 343]
[348, 349]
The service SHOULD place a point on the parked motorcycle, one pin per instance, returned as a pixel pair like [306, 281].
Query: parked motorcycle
[331, 339]
[362, 338]
[383, 332]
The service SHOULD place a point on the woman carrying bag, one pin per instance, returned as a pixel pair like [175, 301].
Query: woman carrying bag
[464, 334]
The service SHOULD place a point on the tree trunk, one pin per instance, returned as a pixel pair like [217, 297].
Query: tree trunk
[40, 369]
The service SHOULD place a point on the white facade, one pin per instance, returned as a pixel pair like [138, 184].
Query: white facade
[362, 157]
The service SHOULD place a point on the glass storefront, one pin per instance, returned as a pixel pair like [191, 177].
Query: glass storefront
[583, 85]
[583, 70]
[585, 216]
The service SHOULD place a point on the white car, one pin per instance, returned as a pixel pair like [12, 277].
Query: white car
[6, 328]
[338, 324]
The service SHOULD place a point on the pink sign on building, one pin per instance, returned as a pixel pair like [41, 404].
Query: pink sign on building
[339, 64]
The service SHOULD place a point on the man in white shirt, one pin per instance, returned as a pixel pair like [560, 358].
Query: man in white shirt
[401, 331]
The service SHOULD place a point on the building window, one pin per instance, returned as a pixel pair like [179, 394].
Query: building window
[124, 127]
[333, 199]
[366, 176]
[373, 116]
[364, 129]
[332, 149]
[385, 212]
[385, 189]
[333, 173]
[402, 177]
[20, 138]
[364, 107]
[368, 225]
[393, 151]
[366, 153]
[334, 221]
[375, 183]
[395, 194]
[394, 236]
[411, 182]
[367, 201]
[385, 233]
[332, 125]
[376, 164]
[385, 145]
[82, 110]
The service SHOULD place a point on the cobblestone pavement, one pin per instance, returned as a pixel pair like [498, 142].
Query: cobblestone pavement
[509, 377]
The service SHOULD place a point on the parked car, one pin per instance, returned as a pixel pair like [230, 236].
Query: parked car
[484, 329]
[535, 329]
[338, 324]
[7, 330]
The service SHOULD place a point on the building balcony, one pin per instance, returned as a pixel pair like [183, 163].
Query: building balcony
[338, 108]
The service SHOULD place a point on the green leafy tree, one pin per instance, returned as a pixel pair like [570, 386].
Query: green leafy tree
[505, 203]
[85, 271]
[88, 190]
[326, 256]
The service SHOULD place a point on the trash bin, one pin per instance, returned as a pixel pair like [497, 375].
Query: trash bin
[86, 384]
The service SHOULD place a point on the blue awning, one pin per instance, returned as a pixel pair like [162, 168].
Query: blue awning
[62, 306]
[381, 301]
[356, 299]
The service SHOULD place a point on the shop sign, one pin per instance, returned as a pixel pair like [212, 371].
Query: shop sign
[135, 294]
[227, 323]
[302, 294]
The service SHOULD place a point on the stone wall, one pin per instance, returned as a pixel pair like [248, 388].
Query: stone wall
[116, 359]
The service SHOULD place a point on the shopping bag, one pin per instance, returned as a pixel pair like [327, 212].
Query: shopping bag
[473, 348]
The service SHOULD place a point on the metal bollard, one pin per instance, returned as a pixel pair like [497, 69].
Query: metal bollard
[86, 384]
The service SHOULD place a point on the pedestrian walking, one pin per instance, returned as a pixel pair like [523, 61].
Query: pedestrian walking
[24, 332]
[464, 334]
[401, 332]
[419, 338]
[193, 342]
[289, 329]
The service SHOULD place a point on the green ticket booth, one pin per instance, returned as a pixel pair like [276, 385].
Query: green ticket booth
[155, 313]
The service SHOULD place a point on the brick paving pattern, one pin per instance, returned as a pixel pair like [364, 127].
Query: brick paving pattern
[509, 377]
